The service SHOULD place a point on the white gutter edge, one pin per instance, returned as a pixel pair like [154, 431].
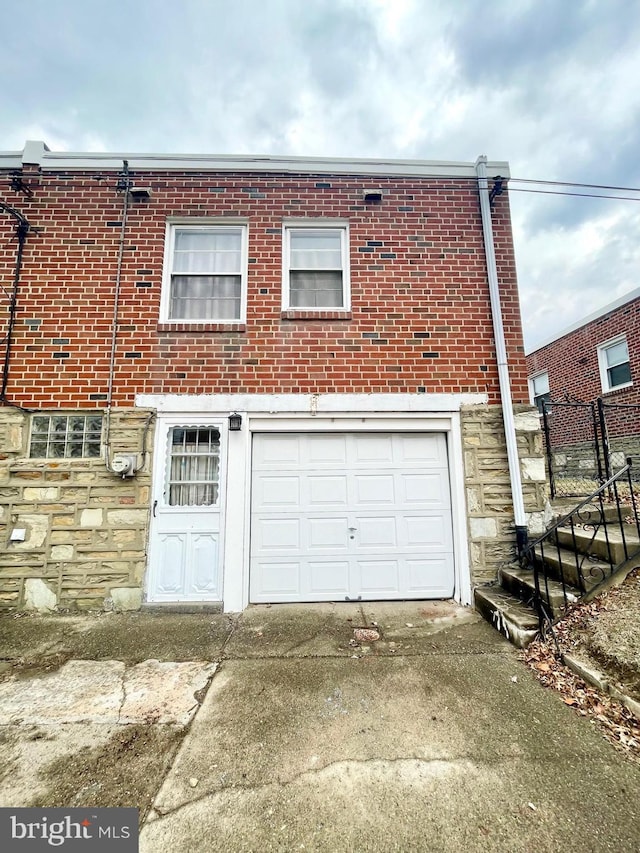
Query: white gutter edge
[501, 353]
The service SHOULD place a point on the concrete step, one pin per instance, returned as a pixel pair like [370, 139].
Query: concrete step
[607, 545]
[521, 583]
[507, 614]
[576, 569]
[590, 514]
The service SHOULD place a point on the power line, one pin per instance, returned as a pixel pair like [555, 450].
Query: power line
[577, 195]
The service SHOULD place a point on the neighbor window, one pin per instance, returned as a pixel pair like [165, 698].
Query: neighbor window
[205, 273]
[65, 436]
[316, 268]
[539, 388]
[613, 358]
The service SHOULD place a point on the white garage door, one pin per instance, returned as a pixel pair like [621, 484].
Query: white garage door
[350, 516]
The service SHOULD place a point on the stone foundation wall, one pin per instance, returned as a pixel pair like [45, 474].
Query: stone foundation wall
[85, 528]
[491, 530]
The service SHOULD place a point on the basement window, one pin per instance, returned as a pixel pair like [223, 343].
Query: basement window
[65, 436]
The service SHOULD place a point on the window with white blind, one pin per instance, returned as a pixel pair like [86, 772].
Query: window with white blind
[205, 274]
[613, 360]
[193, 469]
[316, 267]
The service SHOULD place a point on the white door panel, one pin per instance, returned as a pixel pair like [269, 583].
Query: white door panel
[350, 515]
[186, 529]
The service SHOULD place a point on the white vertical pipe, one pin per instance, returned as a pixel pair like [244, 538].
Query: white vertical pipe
[501, 352]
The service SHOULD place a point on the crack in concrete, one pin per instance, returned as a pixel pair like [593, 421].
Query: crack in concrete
[234, 622]
[463, 762]
[124, 695]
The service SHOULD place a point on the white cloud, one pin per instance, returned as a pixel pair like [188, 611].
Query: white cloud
[551, 87]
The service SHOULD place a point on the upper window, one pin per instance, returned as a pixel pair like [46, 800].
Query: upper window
[65, 436]
[613, 358]
[539, 389]
[205, 274]
[316, 267]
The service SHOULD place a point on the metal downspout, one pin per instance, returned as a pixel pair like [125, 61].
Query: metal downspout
[124, 185]
[501, 355]
[21, 232]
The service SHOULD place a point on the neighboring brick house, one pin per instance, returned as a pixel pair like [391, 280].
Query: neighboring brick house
[241, 379]
[599, 357]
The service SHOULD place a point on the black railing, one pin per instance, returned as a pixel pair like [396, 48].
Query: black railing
[567, 565]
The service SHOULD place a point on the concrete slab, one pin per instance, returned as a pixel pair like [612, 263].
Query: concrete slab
[423, 752]
[80, 691]
[28, 750]
[163, 692]
[107, 692]
[294, 630]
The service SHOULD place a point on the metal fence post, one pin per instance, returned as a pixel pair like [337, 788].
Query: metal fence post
[547, 441]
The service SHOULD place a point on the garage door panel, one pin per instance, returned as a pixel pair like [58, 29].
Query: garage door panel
[428, 531]
[431, 577]
[372, 450]
[427, 490]
[276, 534]
[328, 534]
[378, 576]
[277, 578]
[329, 577]
[375, 489]
[351, 515]
[281, 452]
[376, 532]
[326, 450]
[422, 450]
[276, 493]
[326, 490]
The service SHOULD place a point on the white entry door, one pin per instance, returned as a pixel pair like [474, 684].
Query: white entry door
[349, 516]
[186, 527]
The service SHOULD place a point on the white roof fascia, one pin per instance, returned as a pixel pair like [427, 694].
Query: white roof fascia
[67, 160]
[10, 159]
[602, 312]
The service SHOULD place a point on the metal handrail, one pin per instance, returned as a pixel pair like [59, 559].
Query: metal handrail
[610, 488]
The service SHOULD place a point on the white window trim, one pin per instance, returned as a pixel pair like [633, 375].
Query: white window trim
[199, 224]
[532, 390]
[602, 363]
[316, 225]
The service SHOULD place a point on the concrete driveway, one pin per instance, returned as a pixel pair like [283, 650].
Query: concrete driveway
[432, 738]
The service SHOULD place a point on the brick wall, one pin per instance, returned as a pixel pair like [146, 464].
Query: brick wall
[572, 365]
[420, 319]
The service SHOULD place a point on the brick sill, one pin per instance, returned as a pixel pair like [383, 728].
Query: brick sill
[316, 315]
[197, 328]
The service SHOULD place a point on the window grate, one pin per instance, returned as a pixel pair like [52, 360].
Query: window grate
[194, 466]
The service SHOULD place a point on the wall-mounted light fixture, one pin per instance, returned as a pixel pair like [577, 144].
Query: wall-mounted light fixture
[373, 196]
[235, 422]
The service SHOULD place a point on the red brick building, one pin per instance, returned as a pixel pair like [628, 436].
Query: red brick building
[340, 309]
[598, 357]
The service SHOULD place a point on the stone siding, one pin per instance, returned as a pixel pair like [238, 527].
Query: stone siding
[86, 528]
[491, 530]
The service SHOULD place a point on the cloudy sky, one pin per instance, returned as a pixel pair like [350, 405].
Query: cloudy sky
[552, 86]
